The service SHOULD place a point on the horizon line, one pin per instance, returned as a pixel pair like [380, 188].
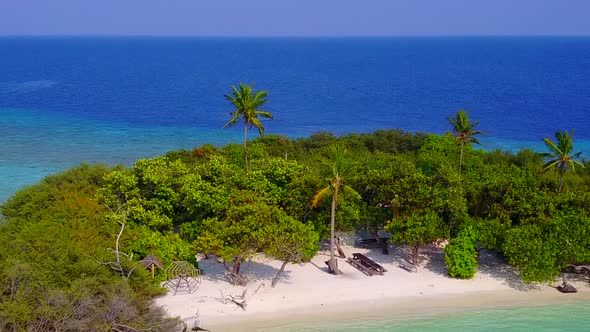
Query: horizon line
[295, 36]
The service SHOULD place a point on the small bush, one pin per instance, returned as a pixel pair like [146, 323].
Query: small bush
[460, 254]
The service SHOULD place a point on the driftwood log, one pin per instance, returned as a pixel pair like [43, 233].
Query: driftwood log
[239, 300]
[567, 288]
[580, 269]
[341, 253]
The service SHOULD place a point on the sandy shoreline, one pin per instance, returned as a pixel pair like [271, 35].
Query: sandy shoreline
[397, 309]
[307, 294]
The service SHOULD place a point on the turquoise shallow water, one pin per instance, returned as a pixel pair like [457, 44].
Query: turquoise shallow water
[553, 318]
[36, 144]
[69, 100]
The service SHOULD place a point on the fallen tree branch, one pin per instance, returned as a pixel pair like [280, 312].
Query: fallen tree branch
[238, 300]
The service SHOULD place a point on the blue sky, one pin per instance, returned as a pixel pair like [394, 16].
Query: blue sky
[294, 17]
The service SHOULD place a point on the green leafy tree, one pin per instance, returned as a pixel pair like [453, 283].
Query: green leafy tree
[338, 169]
[157, 195]
[562, 158]
[379, 179]
[416, 230]
[426, 202]
[460, 254]
[289, 241]
[464, 131]
[52, 239]
[542, 248]
[238, 235]
[247, 105]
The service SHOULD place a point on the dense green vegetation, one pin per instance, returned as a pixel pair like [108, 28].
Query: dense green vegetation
[57, 272]
[53, 276]
[460, 254]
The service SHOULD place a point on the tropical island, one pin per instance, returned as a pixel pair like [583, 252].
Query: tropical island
[278, 227]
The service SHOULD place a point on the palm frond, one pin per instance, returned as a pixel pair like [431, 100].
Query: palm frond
[564, 141]
[348, 191]
[549, 165]
[319, 196]
[232, 122]
[265, 114]
[256, 123]
[551, 146]
[572, 164]
[474, 140]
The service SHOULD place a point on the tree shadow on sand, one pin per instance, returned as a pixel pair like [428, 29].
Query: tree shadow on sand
[255, 271]
[492, 264]
[397, 254]
[432, 258]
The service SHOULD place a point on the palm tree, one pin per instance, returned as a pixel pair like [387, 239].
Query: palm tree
[560, 155]
[247, 103]
[464, 131]
[339, 168]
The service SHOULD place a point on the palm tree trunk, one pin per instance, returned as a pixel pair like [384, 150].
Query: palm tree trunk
[461, 158]
[333, 266]
[245, 145]
[561, 173]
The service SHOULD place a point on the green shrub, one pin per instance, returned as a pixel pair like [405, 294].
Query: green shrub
[460, 254]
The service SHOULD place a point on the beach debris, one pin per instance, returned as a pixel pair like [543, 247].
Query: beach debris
[151, 262]
[182, 274]
[579, 269]
[123, 264]
[239, 300]
[408, 266]
[196, 324]
[341, 253]
[196, 328]
[567, 288]
[258, 288]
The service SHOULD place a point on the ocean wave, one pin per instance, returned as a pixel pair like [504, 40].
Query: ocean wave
[25, 87]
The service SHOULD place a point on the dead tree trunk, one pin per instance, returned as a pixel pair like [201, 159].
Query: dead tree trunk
[415, 250]
[275, 280]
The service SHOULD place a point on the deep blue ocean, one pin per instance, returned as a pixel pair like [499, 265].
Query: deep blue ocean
[66, 100]
[69, 100]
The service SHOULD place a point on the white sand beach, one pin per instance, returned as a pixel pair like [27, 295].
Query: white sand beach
[307, 293]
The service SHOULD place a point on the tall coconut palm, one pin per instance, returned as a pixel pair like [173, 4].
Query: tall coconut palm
[247, 104]
[338, 168]
[561, 158]
[464, 131]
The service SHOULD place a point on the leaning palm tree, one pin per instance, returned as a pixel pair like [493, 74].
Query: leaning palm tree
[247, 103]
[561, 159]
[464, 131]
[338, 168]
